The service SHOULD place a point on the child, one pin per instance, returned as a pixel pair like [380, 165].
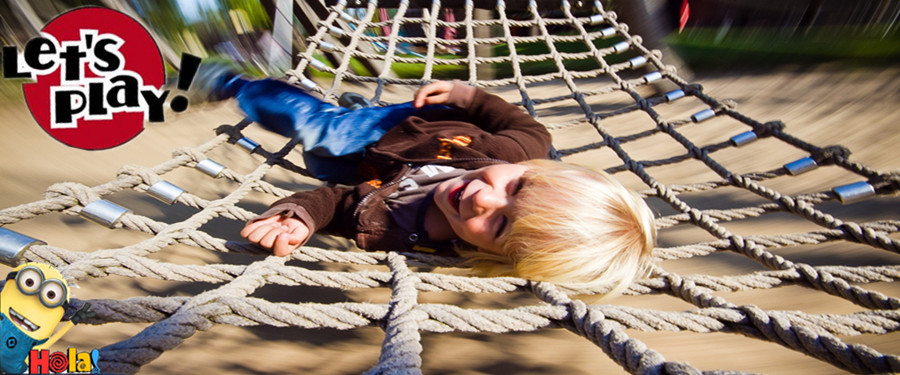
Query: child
[439, 178]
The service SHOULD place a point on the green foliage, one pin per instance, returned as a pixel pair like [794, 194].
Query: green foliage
[715, 46]
[505, 70]
[256, 14]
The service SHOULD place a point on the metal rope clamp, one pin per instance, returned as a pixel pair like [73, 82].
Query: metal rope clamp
[652, 76]
[165, 191]
[247, 144]
[13, 245]
[744, 138]
[802, 165]
[637, 61]
[621, 46]
[336, 31]
[674, 95]
[308, 84]
[317, 65]
[703, 115]
[854, 192]
[210, 168]
[325, 46]
[607, 32]
[103, 212]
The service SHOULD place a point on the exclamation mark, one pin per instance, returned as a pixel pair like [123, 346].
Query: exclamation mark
[189, 66]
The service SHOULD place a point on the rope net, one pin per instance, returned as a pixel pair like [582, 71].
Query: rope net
[607, 85]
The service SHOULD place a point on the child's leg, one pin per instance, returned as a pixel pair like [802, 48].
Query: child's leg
[324, 129]
[341, 170]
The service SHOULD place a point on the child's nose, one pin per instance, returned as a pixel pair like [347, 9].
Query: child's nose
[488, 200]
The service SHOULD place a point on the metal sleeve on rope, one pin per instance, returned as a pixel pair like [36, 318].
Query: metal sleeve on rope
[103, 212]
[854, 192]
[703, 115]
[607, 32]
[165, 192]
[13, 244]
[307, 84]
[637, 61]
[336, 31]
[210, 168]
[247, 144]
[346, 17]
[744, 138]
[799, 166]
[652, 76]
[325, 46]
[318, 65]
[674, 95]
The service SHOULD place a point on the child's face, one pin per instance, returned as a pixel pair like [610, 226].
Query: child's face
[478, 205]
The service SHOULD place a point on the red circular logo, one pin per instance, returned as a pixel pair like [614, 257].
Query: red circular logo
[58, 362]
[98, 76]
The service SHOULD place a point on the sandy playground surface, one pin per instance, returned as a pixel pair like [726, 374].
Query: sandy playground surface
[823, 105]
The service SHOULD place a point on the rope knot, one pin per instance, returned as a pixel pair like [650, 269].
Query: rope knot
[612, 16]
[642, 104]
[828, 154]
[886, 183]
[727, 104]
[232, 131]
[146, 175]
[693, 89]
[669, 70]
[193, 154]
[81, 193]
[769, 128]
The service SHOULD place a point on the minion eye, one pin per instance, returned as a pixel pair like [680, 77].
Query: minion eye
[29, 280]
[52, 293]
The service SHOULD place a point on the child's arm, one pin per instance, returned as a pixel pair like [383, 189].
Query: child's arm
[291, 221]
[493, 115]
[433, 93]
[281, 234]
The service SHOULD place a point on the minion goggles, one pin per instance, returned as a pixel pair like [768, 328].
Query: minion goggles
[30, 281]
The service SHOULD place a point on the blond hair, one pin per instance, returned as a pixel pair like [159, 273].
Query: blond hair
[576, 227]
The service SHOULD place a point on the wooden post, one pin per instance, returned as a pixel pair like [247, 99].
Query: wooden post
[485, 72]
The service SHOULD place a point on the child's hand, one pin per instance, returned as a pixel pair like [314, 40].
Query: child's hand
[433, 93]
[280, 234]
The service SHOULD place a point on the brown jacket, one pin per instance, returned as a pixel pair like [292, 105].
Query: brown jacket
[481, 130]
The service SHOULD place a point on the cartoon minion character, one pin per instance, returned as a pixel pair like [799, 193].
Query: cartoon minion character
[32, 303]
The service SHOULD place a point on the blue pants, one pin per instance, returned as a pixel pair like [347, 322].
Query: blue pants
[333, 137]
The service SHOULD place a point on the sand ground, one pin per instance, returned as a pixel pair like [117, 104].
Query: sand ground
[824, 105]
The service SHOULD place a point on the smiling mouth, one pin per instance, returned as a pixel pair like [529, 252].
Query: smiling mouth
[22, 322]
[455, 195]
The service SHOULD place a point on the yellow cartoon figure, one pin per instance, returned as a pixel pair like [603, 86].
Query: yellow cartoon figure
[32, 303]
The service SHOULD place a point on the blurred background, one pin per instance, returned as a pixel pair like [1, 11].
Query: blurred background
[265, 36]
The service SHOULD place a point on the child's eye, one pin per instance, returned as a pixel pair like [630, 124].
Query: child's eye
[502, 227]
[516, 186]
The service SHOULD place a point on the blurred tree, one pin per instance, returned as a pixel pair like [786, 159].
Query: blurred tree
[254, 11]
[163, 15]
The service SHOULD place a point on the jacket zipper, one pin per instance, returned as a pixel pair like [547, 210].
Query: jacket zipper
[371, 193]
